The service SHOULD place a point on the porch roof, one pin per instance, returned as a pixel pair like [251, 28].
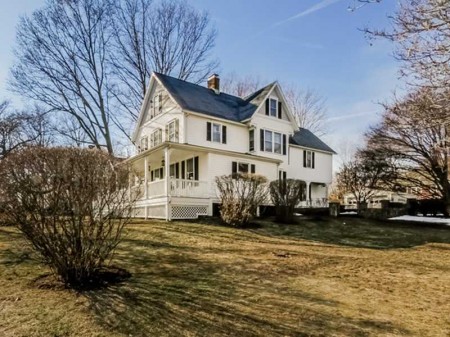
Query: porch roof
[198, 148]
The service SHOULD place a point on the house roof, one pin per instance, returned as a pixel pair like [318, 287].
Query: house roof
[306, 138]
[197, 98]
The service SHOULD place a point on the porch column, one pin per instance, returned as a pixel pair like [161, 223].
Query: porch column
[167, 180]
[308, 193]
[146, 177]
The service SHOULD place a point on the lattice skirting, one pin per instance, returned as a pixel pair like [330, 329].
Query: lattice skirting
[188, 211]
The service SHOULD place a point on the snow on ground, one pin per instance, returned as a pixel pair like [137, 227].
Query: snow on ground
[441, 221]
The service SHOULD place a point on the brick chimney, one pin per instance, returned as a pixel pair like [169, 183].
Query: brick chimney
[214, 83]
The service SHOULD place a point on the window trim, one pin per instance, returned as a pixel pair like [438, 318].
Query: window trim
[175, 134]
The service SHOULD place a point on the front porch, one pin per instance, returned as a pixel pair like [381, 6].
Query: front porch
[167, 183]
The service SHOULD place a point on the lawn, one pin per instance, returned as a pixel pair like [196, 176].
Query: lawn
[321, 277]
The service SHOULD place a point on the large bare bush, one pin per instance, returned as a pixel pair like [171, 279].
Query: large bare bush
[240, 196]
[71, 204]
[285, 195]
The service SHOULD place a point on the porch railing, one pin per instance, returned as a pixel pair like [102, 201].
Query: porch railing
[188, 188]
[156, 188]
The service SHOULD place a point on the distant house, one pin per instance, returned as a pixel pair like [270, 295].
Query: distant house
[187, 134]
[375, 200]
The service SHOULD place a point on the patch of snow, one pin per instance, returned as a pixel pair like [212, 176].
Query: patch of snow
[348, 213]
[418, 218]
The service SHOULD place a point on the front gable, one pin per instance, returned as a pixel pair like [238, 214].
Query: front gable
[157, 100]
[282, 114]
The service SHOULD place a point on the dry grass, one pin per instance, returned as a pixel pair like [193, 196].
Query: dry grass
[318, 278]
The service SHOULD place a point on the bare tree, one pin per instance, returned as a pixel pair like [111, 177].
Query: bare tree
[169, 37]
[421, 33]
[414, 135]
[62, 63]
[309, 109]
[285, 195]
[240, 86]
[240, 197]
[71, 204]
[19, 129]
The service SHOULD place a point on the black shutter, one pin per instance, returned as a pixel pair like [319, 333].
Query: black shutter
[252, 168]
[262, 139]
[161, 173]
[233, 169]
[284, 144]
[196, 168]
[177, 170]
[151, 176]
[284, 176]
[267, 107]
[313, 159]
[208, 131]
[224, 134]
[304, 158]
[183, 169]
[279, 111]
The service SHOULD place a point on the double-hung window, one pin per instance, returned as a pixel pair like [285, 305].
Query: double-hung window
[273, 107]
[216, 133]
[251, 140]
[268, 141]
[242, 168]
[144, 144]
[157, 104]
[309, 159]
[273, 142]
[172, 131]
[156, 138]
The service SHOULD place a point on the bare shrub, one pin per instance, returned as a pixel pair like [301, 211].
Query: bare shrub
[71, 204]
[241, 195]
[285, 195]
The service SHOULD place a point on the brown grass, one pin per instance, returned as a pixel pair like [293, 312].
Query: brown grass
[317, 278]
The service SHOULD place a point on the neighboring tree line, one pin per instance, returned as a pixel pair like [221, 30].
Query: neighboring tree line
[410, 147]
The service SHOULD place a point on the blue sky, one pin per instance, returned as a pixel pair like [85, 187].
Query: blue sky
[309, 43]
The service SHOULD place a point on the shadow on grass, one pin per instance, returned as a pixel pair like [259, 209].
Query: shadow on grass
[175, 293]
[358, 232]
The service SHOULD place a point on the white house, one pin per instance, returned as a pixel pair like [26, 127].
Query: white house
[187, 134]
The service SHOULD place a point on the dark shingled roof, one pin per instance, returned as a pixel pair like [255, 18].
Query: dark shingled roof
[306, 138]
[197, 98]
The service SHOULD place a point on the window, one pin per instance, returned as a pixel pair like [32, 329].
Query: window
[157, 104]
[242, 168]
[157, 174]
[308, 159]
[190, 169]
[277, 142]
[273, 142]
[172, 131]
[144, 144]
[268, 141]
[251, 140]
[216, 133]
[273, 107]
[156, 138]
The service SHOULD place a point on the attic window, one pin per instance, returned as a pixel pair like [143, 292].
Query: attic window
[273, 107]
